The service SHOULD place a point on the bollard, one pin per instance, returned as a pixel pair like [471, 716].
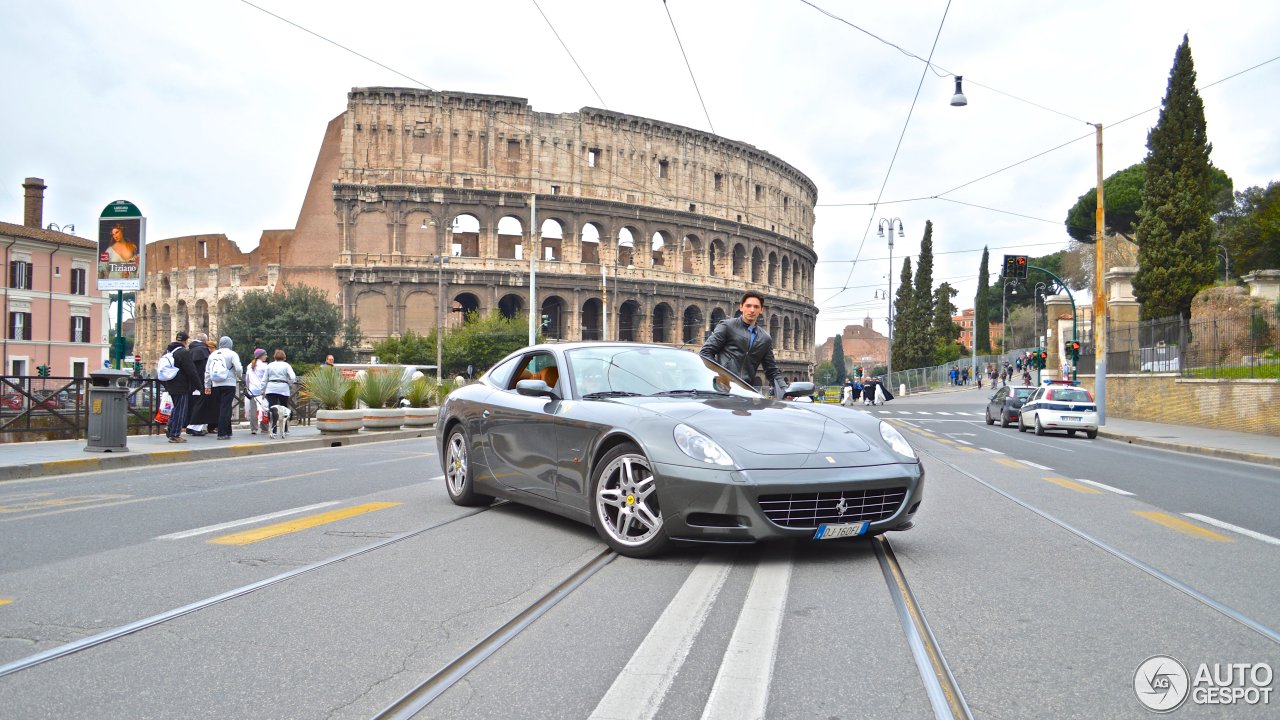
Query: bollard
[902, 390]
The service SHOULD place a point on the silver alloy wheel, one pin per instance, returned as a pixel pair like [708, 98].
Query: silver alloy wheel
[455, 474]
[625, 502]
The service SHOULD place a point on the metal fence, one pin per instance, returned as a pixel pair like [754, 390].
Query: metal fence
[918, 379]
[1240, 344]
[57, 408]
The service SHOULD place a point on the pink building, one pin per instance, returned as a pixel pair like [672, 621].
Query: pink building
[53, 312]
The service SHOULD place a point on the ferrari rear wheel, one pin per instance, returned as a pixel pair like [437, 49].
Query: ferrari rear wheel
[458, 479]
[625, 506]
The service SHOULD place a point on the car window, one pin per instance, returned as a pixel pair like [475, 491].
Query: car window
[1001, 394]
[1071, 395]
[648, 371]
[1023, 393]
[499, 375]
[537, 366]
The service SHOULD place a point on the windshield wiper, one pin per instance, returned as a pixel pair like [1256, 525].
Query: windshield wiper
[609, 394]
[689, 392]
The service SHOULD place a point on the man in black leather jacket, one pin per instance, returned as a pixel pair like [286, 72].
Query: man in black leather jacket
[180, 387]
[742, 345]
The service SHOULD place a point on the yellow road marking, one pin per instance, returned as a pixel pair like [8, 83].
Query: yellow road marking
[1180, 525]
[86, 507]
[1073, 485]
[927, 434]
[5, 601]
[292, 526]
[1010, 462]
[57, 502]
[947, 441]
[966, 448]
[74, 465]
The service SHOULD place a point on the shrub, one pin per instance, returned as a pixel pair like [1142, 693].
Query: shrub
[329, 388]
[380, 387]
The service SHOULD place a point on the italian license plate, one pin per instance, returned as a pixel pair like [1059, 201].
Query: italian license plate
[832, 532]
[1071, 418]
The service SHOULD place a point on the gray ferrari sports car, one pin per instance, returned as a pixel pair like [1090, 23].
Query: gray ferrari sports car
[652, 444]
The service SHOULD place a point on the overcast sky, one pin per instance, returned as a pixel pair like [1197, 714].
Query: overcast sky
[209, 115]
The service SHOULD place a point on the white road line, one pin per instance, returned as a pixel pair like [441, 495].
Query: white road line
[923, 412]
[1235, 529]
[741, 688]
[246, 521]
[638, 691]
[946, 413]
[908, 422]
[1100, 486]
[993, 452]
[962, 442]
[399, 459]
[1035, 465]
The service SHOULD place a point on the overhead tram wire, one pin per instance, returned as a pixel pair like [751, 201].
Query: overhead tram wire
[570, 54]
[688, 65]
[867, 230]
[623, 181]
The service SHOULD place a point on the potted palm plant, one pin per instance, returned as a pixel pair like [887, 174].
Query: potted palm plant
[421, 396]
[379, 391]
[336, 396]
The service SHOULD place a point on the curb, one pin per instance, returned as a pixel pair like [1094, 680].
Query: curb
[112, 461]
[1193, 449]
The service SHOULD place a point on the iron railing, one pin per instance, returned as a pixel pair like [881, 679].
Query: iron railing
[1240, 344]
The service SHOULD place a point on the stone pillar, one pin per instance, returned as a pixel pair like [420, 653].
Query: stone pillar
[33, 202]
[1058, 316]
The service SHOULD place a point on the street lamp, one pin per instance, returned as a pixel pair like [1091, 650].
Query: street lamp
[1036, 294]
[889, 223]
[1226, 262]
[1004, 313]
[440, 259]
[70, 228]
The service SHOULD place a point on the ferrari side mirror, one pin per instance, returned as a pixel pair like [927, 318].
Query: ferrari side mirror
[797, 389]
[536, 388]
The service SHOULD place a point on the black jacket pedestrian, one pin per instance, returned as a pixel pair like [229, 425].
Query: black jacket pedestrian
[730, 345]
[203, 410]
[186, 380]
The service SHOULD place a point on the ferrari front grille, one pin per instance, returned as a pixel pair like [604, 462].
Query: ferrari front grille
[809, 510]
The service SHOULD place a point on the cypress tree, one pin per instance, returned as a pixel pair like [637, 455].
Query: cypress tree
[904, 324]
[837, 359]
[922, 341]
[981, 309]
[1175, 249]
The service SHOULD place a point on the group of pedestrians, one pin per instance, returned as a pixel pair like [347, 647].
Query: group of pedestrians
[869, 389]
[203, 383]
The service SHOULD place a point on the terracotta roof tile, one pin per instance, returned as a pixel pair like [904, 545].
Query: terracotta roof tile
[50, 236]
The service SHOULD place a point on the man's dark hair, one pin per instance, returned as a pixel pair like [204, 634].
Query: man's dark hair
[752, 294]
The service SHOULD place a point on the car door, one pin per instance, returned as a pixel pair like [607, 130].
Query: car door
[995, 408]
[1030, 406]
[520, 431]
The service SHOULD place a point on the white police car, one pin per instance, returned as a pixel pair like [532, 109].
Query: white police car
[1060, 405]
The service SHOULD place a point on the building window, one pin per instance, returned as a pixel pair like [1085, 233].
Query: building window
[593, 157]
[662, 169]
[20, 275]
[79, 281]
[19, 326]
[555, 189]
[513, 149]
[693, 207]
[166, 252]
[719, 182]
[18, 368]
[78, 369]
[759, 193]
[79, 329]
[204, 249]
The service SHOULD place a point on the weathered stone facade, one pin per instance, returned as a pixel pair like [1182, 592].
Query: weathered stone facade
[680, 221]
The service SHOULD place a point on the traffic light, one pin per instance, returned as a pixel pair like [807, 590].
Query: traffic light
[1042, 358]
[42, 370]
[1015, 267]
[1074, 346]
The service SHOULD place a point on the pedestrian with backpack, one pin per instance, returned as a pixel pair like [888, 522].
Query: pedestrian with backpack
[176, 365]
[222, 374]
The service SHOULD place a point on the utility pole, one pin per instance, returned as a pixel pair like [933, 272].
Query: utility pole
[1099, 295]
[604, 303]
[534, 312]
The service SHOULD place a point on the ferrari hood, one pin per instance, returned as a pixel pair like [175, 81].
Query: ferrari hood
[760, 427]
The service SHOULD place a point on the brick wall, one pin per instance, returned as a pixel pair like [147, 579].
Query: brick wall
[1242, 405]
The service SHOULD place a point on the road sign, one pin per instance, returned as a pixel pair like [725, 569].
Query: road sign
[122, 243]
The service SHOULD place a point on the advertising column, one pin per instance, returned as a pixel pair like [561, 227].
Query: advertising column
[122, 242]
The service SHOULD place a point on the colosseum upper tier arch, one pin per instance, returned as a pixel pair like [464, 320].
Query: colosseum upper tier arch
[427, 191]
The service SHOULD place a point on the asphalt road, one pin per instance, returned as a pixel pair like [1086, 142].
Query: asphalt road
[1044, 585]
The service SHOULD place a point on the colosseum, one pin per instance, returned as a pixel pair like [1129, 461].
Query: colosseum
[640, 230]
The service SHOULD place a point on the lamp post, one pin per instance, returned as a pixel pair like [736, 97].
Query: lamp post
[889, 223]
[1226, 262]
[440, 259]
[1004, 314]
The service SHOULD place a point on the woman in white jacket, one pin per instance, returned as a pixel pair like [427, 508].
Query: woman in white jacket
[280, 382]
[255, 384]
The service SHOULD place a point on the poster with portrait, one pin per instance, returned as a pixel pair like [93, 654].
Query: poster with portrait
[122, 240]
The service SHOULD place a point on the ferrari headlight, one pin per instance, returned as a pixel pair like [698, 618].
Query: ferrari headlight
[700, 447]
[896, 441]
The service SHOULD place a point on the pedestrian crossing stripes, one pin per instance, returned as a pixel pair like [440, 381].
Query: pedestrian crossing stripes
[928, 412]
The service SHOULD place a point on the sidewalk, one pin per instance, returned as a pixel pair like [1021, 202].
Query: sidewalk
[1228, 444]
[60, 457]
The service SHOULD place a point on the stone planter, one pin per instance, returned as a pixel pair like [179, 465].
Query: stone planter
[339, 421]
[420, 417]
[383, 418]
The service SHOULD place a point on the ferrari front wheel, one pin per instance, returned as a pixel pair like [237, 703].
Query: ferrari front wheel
[458, 479]
[624, 505]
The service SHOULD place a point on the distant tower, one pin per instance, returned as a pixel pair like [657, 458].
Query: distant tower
[866, 322]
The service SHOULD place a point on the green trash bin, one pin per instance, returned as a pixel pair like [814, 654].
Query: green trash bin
[108, 411]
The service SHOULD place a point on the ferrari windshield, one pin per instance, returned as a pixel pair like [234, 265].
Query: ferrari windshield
[644, 370]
